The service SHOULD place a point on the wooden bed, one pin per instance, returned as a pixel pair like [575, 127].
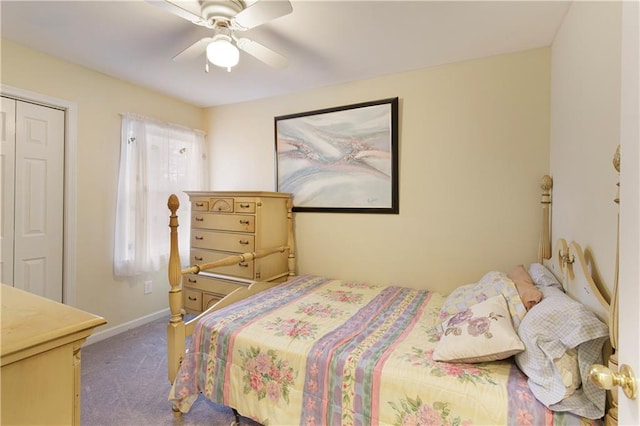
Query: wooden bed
[396, 358]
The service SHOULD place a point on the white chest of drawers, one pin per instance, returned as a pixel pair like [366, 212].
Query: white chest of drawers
[228, 223]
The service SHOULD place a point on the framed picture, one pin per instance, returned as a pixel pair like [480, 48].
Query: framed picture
[342, 159]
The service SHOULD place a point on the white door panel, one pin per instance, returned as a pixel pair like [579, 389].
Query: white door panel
[39, 199]
[7, 170]
[36, 168]
[629, 283]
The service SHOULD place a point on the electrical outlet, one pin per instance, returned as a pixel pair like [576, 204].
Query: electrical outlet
[148, 287]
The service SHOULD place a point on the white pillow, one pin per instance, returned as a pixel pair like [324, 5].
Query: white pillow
[491, 284]
[483, 332]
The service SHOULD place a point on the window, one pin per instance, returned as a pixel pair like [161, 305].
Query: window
[156, 160]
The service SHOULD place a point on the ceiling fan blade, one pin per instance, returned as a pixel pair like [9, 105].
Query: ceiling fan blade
[259, 13]
[179, 10]
[193, 51]
[262, 53]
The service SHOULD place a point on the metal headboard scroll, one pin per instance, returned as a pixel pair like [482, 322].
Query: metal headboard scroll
[565, 259]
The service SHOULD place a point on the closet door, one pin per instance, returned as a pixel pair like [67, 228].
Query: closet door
[7, 168]
[38, 200]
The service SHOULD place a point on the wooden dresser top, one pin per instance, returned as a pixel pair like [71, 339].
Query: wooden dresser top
[30, 321]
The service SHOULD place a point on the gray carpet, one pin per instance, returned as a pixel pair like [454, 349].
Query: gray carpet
[124, 383]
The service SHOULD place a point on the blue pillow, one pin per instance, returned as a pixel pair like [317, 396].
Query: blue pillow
[543, 277]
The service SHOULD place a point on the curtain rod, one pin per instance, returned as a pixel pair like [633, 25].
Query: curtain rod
[158, 121]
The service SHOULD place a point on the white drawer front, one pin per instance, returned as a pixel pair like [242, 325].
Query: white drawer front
[225, 241]
[223, 222]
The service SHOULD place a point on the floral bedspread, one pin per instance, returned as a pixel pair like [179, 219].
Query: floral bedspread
[318, 351]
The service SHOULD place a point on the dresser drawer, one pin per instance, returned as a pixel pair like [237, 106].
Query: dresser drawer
[207, 284]
[209, 300]
[225, 241]
[245, 206]
[223, 222]
[192, 300]
[200, 206]
[242, 270]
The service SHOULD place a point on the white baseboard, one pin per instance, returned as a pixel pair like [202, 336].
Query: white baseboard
[113, 331]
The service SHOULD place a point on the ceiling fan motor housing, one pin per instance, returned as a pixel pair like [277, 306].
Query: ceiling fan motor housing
[220, 10]
[225, 17]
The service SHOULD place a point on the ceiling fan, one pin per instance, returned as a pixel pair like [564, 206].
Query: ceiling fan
[226, 18]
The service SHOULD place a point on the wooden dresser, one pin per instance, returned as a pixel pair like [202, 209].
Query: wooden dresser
[40, 355]
[228, 223]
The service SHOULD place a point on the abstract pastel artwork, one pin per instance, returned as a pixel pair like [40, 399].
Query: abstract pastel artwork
[342, 159]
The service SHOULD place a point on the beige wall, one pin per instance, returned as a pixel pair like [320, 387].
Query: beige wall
[100, 99]
[474, 143]
[585, 130]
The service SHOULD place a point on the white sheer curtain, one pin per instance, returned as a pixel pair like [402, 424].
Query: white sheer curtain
[156, 160]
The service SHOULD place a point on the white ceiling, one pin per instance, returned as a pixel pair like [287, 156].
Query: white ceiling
[326, 42]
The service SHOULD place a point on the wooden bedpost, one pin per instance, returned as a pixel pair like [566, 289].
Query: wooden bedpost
[544, 247]
[176, 326]
[290, 240]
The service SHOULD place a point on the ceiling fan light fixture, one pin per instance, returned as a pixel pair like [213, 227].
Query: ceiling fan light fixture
[222, 52]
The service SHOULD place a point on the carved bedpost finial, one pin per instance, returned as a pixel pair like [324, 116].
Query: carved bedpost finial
[546, 183]
[173, 203]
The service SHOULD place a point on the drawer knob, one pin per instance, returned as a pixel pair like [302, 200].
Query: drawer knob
[199, 204]
[198, 258]
[243, 264]
[244, 222]
[244, 242]
[244, 206]
[193, 299]
[199, 219]
[199, 238]
[192, 280]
